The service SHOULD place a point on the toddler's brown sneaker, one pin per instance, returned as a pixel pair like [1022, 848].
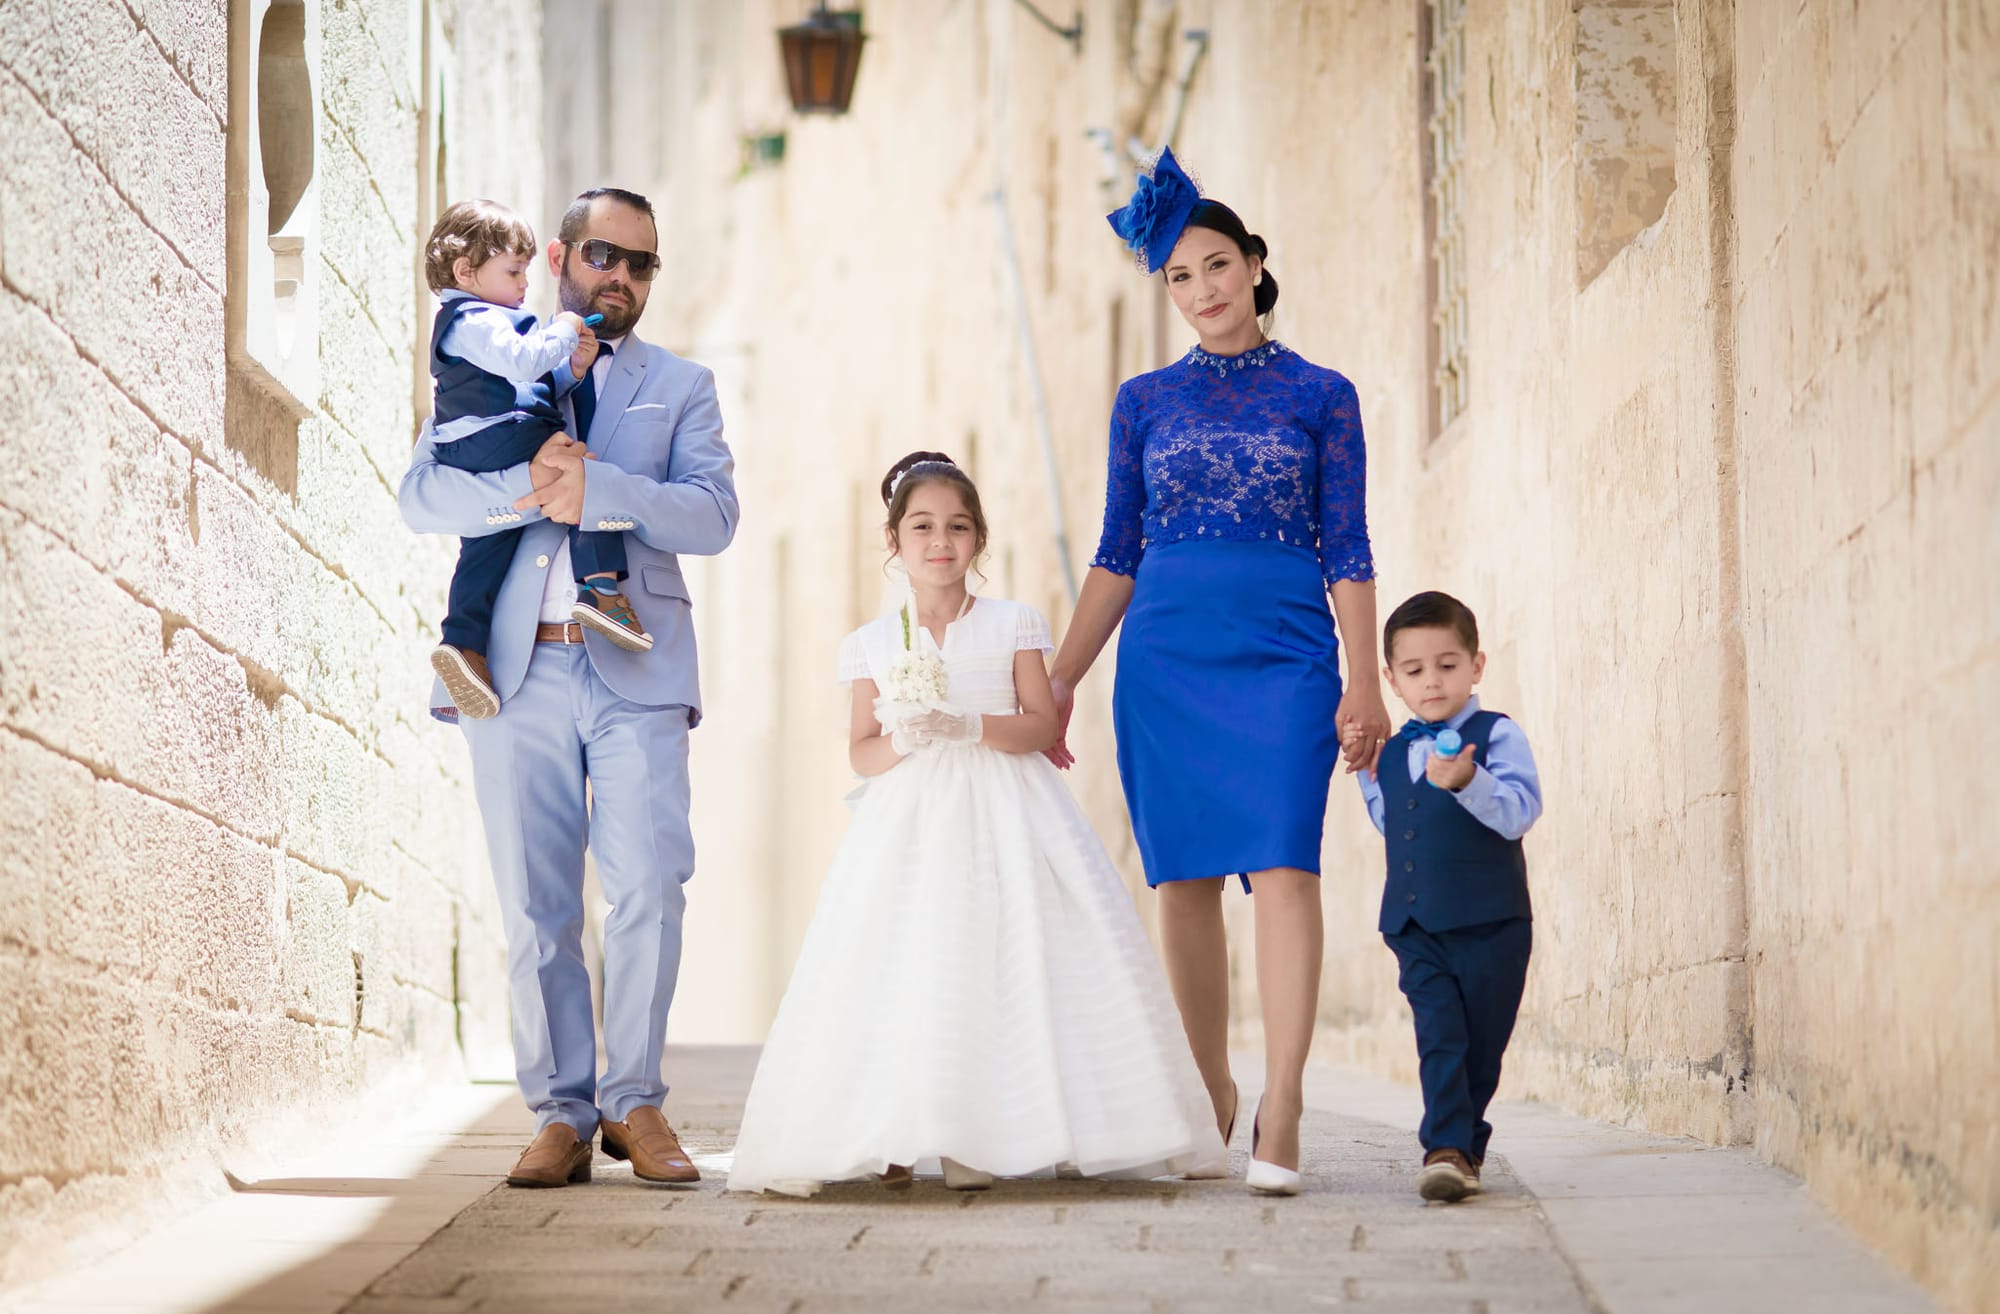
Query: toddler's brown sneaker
[467, 680]
[604, 609]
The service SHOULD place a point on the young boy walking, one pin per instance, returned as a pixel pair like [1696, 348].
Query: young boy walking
[1455, 907]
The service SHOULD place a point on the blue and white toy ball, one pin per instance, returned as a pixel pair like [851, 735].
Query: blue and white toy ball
[592, 321]
[1449, 742]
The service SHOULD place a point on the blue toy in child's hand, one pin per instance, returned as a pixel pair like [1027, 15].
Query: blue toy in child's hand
[1448, 743]
[592, 321]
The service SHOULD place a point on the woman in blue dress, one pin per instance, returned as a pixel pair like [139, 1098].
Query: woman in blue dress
[1234, 508]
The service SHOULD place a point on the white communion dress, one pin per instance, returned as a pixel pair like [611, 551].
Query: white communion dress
[975, 983]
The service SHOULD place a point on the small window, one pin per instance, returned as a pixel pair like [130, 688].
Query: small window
[1624, 153]
[1441, 72]
[273, 287]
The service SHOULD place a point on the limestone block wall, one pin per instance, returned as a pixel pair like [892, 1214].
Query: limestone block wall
[240, 877]
[1869, 314]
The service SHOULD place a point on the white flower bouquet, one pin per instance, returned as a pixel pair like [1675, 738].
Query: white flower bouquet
[917, 681]
[918, 678]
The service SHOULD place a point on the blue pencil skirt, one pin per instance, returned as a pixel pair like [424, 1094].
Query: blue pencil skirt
[1227, 684]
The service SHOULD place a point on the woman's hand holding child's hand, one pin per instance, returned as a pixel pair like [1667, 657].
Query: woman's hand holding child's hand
[1453, 773]
[1058, 752]
[1363, 722]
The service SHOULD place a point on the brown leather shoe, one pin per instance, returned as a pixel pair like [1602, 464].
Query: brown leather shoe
[554, 1158]
[646, 1139]
[1448, 1176]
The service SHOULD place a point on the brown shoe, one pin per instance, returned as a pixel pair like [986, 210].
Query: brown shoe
[610, 613]
[646, 1139]
[467, 680]
[1447, 1176]
[554, 1158]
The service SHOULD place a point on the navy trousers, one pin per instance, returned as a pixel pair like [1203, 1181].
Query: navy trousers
[1464, 988]
[483, 562]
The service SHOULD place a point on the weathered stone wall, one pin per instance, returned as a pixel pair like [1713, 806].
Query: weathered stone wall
[240, 878]
[1868, 313]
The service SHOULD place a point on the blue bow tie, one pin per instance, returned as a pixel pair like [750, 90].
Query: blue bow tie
[1415, 729]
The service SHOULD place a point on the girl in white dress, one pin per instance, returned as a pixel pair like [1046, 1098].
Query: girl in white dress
[975, 989]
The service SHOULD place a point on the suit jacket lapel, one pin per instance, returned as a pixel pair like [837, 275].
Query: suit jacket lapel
[628, 369]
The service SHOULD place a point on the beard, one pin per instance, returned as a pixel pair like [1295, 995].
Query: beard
[619, 316]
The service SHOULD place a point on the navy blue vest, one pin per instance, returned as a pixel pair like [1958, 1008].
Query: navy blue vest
[464, 389]
[1446, 869]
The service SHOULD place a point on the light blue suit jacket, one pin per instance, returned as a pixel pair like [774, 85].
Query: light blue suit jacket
[663, 476]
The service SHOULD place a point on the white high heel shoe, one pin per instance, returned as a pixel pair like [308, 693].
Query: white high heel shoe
[958, 1177]
[1218, 1167]
[1267, 1178]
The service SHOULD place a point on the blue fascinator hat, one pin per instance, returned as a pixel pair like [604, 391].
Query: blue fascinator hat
[1153, 220]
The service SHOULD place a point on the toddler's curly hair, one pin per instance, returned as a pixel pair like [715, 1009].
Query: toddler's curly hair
[477, 230]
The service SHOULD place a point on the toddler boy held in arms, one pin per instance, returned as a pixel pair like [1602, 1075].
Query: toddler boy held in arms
[1452, 793]
[498, 377]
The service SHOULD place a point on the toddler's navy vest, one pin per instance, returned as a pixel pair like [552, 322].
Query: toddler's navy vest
[1446, 868]
[464, 389]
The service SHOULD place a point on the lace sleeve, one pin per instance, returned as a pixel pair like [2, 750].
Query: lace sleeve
[853, 659]
[1031, 630]
[1123, 541]
[1343, 492]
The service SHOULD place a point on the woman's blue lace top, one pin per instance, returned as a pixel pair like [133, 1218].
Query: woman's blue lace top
[1264, 445]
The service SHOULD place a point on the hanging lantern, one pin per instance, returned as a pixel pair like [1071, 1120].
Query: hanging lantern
[821, 56]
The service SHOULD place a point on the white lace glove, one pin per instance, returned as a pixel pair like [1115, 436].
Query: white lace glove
[895, 719]
[944, 726]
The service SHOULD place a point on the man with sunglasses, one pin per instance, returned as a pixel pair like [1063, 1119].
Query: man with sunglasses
[581, 719]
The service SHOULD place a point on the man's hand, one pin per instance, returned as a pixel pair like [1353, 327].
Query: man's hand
[1453, 773]
[543, 468]
[561, 497]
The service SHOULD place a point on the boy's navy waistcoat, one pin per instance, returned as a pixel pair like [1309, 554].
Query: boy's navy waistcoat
[1446, 869]
[464, 389]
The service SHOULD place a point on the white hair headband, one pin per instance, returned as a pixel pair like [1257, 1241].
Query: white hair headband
[897, 482]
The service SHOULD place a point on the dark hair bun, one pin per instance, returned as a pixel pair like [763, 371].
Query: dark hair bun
[913, 459]
[1265, 294]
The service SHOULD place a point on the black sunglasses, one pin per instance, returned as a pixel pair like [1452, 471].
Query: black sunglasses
[604, 256]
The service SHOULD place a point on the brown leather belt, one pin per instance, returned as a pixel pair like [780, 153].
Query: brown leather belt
[547, 632]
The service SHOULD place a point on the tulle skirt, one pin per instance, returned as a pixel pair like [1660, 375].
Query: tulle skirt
[975, 984]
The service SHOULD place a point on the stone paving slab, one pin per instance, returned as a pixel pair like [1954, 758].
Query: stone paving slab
[1579, 1218]
[1358, 1237]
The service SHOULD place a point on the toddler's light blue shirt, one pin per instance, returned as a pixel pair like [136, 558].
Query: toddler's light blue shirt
[487, 338]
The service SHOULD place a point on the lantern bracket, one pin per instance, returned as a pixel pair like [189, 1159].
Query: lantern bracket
[1072, 34]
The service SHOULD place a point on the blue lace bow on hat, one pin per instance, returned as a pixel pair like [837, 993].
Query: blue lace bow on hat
[1153, 220]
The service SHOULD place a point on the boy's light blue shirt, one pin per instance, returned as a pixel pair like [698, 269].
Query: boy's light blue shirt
[486, 337]
[1504, 795]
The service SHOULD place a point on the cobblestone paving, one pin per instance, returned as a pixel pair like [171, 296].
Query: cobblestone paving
[1358, 1237]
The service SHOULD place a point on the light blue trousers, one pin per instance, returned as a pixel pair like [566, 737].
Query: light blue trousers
[562, 734]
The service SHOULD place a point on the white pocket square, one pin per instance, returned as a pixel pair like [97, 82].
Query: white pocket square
[646, 406]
